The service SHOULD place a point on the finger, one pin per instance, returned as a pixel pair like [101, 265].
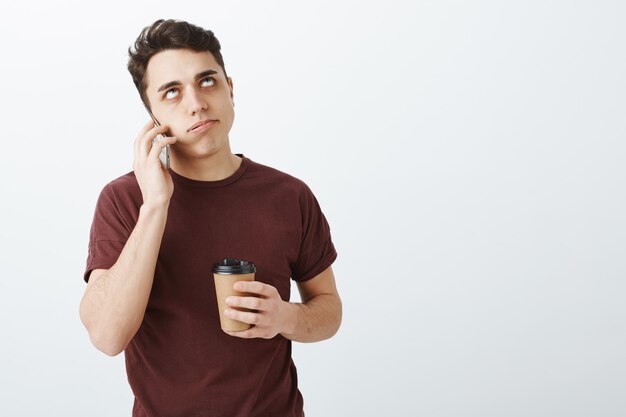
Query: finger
[255, 287]
[244, 334]
[253, 303]
[146, 140]
[145, 129]
[149, 125]
[243, 316]
[157, 146]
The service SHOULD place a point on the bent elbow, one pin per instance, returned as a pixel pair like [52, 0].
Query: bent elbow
[338, 316]
[107, 345]
[107, 342]
[336, 328]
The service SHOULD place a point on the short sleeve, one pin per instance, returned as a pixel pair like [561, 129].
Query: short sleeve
[317, 251]
[108, 235]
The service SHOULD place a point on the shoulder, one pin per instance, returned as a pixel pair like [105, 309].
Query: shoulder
[122, 191]
[124, 182]
[276, 178]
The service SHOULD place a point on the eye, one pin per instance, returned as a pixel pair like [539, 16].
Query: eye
[167, 94]
[208, 81]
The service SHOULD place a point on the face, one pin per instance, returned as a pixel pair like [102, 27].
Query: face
[184, 88]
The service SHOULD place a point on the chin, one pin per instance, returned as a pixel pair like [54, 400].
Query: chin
[204, 149]
[202, 145]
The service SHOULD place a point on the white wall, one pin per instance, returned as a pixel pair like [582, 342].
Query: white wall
[469, 157]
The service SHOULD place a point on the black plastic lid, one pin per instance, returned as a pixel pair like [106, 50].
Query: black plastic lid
[233, 266]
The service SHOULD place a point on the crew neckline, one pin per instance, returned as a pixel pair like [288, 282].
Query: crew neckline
[210, 184]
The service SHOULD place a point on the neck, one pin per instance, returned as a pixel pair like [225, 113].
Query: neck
[213, 167]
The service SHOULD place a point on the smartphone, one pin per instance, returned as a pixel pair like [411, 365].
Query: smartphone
[165, 152]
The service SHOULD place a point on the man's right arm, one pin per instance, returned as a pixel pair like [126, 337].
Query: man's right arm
[115, 299]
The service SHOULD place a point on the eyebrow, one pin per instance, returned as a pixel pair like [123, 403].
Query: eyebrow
[197, 77]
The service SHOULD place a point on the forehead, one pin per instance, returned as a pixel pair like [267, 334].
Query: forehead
[177, 65]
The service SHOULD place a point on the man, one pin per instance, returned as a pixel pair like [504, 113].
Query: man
[157, 233]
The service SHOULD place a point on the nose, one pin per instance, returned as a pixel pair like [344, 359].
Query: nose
[196, 102]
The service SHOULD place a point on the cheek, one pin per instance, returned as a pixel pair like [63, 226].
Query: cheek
[179, 128]
[179, 131]
[228, 120]
[228, 111]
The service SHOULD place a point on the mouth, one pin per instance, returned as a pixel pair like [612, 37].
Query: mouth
[201, 126]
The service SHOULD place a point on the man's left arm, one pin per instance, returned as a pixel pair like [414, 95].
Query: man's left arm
[317, 318]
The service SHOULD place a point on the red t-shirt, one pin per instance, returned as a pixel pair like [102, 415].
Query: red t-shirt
[180, 362]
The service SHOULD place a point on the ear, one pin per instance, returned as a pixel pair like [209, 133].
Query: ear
[230, 86]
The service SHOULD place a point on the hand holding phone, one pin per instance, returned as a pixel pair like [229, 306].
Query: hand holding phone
[164, 156]
[155, 182]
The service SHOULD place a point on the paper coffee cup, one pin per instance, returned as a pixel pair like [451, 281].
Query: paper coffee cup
[225, 273]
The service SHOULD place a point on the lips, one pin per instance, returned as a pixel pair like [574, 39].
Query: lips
[201, 125]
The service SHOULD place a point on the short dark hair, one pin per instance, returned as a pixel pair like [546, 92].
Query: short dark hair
[168, 34]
